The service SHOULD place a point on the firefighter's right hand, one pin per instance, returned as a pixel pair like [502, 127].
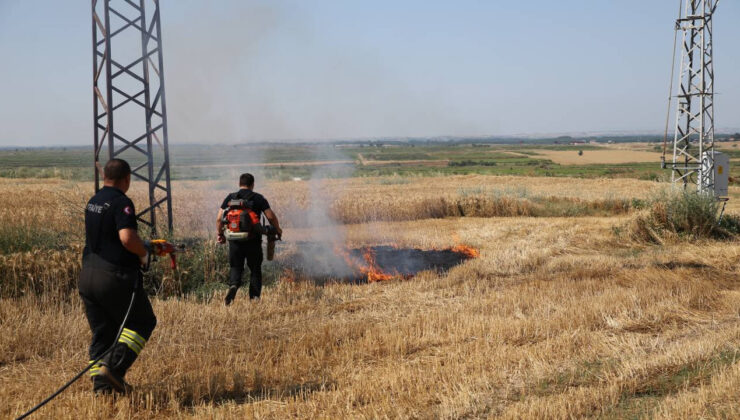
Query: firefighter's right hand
[221, 238]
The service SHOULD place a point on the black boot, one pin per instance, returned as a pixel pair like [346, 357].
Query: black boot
[114, 366]
[101, 386]
[231, 295]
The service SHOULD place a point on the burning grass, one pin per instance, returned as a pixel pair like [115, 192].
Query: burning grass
[323, 263]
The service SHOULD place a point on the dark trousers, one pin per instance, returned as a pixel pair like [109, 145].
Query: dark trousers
[106, 292]
[251, 251]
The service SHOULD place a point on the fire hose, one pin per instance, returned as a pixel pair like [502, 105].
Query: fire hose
[159, 247]
[88, 367]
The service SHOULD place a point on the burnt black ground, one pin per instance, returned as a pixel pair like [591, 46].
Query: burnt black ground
[320, 263]
[409, 261]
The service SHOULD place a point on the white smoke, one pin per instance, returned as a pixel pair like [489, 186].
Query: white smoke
[322, 255]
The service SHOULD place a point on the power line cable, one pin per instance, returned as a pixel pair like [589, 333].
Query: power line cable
[670, 89]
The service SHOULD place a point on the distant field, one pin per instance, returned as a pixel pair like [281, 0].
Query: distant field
[272, 164]
[589, 157]
[286, 161]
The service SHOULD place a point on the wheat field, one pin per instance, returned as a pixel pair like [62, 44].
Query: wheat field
[561, 315]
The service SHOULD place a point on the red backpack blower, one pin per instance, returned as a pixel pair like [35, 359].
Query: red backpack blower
[241, 221]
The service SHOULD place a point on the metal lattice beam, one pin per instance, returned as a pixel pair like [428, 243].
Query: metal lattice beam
[693, 142]
[130, 112]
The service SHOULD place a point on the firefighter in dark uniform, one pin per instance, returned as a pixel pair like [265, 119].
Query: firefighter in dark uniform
[111, 263]
[249, 249]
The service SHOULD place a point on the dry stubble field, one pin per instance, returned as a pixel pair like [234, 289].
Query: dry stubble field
[559, 316]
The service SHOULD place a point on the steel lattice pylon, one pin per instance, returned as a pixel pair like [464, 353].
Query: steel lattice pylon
[693, 143]
[129, 97]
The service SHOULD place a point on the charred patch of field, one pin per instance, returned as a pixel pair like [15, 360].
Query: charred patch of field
[320, 263]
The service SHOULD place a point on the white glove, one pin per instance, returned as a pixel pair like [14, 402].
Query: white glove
[145, 259]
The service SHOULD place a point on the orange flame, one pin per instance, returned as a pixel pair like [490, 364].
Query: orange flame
[373, 272]
[466, 250]
[368, 267]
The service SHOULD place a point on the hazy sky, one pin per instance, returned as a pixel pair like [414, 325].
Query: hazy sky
[258, 70]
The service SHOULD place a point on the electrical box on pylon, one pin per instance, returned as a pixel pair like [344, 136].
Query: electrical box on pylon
[715, 173]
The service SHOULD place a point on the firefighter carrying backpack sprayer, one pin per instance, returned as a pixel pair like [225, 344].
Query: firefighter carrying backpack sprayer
[239, 224]
[241, 221]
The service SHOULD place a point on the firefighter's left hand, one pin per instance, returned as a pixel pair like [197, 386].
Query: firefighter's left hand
[144, 260]
[221, 238]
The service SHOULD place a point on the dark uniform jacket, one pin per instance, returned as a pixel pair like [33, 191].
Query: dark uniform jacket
[107, 212]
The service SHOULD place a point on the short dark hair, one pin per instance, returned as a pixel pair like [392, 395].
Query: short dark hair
[246, 180]
[116, 170]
